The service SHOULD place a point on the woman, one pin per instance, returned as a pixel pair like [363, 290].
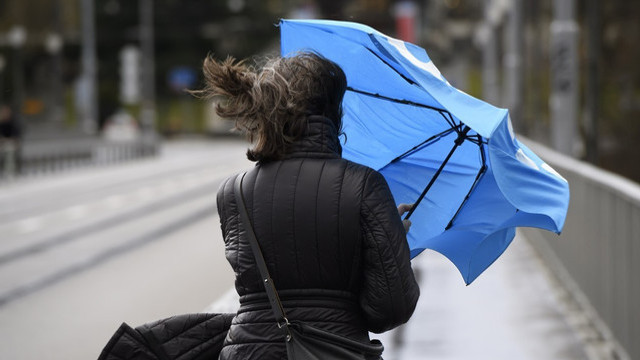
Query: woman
[328, 228]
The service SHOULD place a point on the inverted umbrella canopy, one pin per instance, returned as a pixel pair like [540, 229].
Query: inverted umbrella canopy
[454, 156]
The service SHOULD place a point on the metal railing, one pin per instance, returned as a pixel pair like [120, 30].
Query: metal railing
[600, 249]
[45, 158]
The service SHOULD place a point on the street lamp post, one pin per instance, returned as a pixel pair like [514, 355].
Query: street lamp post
[513, 64]
[53, 45]
[148, 113]
[17, 37]
[490, 83]
[3, 64]
[564, 77]
[89, 106]
[593, 82]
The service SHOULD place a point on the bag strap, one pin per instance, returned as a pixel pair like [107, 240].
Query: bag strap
[274, 299]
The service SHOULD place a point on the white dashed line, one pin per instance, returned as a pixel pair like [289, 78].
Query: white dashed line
[29, 225]
[114, 201]
[76, 212]
[144, 193]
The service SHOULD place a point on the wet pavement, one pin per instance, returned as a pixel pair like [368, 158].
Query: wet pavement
[512, 311]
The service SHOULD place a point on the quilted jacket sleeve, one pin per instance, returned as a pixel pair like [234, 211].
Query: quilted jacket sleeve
[389, 291]
[222, 197]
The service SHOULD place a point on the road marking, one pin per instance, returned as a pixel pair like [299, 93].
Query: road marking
[190, 181]
[168, 186]
[144, 193]
[114, 201]
[76, 212]
[29, 225]
[86, 262]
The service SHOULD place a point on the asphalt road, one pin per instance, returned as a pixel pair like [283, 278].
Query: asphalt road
[83, 251]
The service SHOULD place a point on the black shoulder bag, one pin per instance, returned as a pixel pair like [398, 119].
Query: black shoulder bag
[303, 341]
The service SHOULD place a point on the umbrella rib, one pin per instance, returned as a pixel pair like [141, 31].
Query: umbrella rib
[392, 68]
[423, 144]
[450, 120]
[462, 135]
[400, 101]
[481, 171]
[477, 139]
[448, 117]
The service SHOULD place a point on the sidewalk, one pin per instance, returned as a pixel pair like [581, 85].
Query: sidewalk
[512, 311]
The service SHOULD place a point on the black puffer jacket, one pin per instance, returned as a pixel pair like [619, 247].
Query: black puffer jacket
[333, 242]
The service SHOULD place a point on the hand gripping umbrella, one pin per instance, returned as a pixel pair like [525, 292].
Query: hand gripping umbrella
[454, 157]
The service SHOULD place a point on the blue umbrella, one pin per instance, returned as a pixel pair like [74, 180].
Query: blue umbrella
[454, 156]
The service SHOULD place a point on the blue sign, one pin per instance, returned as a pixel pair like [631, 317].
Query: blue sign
[181, 78]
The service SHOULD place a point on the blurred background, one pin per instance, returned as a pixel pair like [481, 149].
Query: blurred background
[105, 69]
[104, 155]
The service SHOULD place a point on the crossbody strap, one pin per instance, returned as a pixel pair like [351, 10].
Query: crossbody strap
[274, 299]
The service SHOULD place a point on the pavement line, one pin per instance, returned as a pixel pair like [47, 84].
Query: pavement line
[114, 201]
[137, 242]
[209, 188]
[144, 193]
[75, 212]
[30, 225]
[12, 213]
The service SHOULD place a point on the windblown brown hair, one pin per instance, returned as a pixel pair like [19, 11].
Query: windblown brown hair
[271, 104]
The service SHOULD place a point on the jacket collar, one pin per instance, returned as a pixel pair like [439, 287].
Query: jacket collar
[320, 140]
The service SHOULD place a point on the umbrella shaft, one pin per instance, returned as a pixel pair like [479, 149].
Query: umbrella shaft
[459, 140]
